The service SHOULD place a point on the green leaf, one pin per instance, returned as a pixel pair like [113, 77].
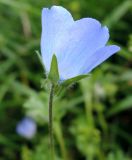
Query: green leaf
[118, 13]
[121, 106]
[74, 79]
[54, 73]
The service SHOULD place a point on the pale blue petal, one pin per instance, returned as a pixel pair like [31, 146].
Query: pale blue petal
[55, 22]
[77, 44]
[98, 57]
[83, 39]
[26, 128]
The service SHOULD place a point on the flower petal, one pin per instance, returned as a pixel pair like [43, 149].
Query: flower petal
[26, 128]
[99, 57]
[84, 37]
[54, 23]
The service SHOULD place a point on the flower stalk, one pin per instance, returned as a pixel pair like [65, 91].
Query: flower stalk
[51, 141]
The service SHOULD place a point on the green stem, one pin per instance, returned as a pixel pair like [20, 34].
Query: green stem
[60, 139]
[87, 92]
[51, 122]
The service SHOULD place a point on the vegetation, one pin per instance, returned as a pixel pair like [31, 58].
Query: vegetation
[92, 119]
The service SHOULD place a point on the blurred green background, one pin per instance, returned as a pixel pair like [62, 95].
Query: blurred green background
[93, 118]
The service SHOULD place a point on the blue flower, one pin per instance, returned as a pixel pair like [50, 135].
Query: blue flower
[26, 128]
[79, 45]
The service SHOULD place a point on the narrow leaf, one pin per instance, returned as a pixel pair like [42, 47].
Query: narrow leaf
[125, 104]
[40, 58]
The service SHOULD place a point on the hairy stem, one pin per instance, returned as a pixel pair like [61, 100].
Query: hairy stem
[51, 123]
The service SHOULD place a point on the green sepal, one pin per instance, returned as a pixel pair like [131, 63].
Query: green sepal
[62, 86]
[40, 59]
[74, 80]
[54, 72]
